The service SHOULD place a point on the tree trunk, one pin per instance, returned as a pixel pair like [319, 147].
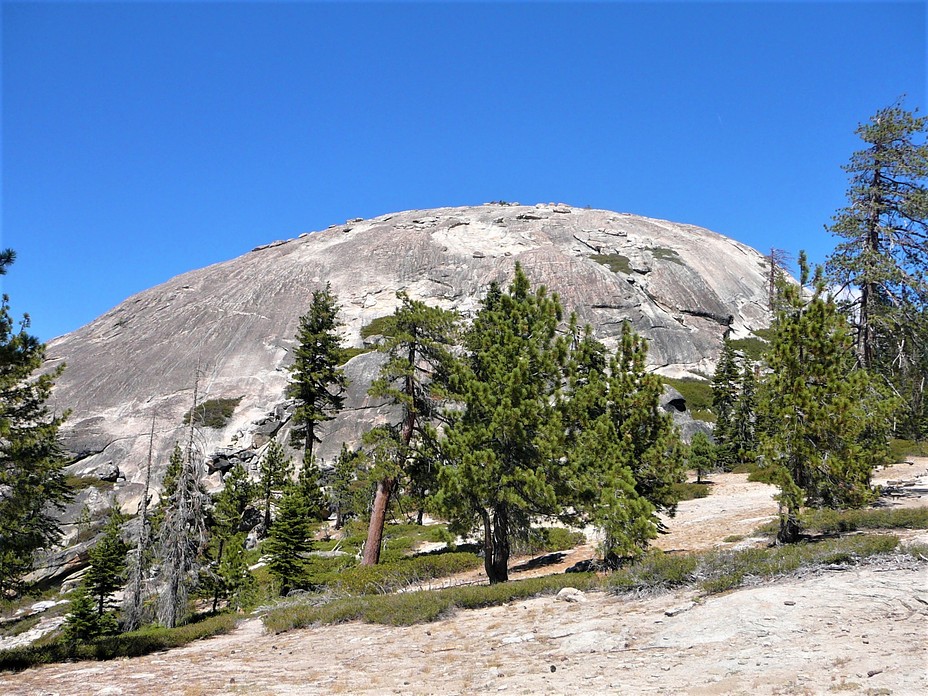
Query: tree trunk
[496, 545]
[378, 519]
[789, 527]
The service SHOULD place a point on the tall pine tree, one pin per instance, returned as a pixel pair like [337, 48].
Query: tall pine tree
[32, 480]
[501, 444]
[275, 471]
[827, 420]
[725, 391]
[413, 377]
[316, 382]
[106, 573]
[883, 255]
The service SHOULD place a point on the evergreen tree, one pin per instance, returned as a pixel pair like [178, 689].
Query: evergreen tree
[701, 455]
[724, 399]
[232, 501]
[656, 451]
[237, 582]
[275, 471]
[744, 421]
[288, 541]
[83, 624]
[347, 484]
[309, 482]
[777, 261]
[32, 480]
[413, 378]
[502, 444]
[106, 573]
[884, 252]
[225, 575]
[316, 382]
[827, 420]
[623, 451]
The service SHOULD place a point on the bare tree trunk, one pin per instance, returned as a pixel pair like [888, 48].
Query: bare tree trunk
[385, 486]
[133, 612]
[378, 520]
[496, 545]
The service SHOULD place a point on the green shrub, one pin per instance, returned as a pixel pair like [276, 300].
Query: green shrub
[142, 642]
[614, 262]
[655, 570]
[213, 413]
[547, 540]
[666, 254]
[831, 521]
[381, 326]
[349, 353]
[80, 482]
[408, 608]
[752, 347]
[719, 571]
[691, 491]
[903, 449]
[392, 576]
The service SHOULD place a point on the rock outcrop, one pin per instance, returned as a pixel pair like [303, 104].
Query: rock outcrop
[680, 286]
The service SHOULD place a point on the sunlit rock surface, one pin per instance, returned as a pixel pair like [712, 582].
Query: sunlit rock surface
[680, 286]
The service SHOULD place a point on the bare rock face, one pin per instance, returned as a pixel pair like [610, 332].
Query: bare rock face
[679, 285]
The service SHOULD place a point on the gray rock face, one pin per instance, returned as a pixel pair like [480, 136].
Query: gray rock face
[681, 286]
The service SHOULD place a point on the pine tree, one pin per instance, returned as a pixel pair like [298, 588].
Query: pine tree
[288, 540]
[827, 419]
[623, 452]
[724, 399]
[237, 581]
[777, 261]
[701, 455]
[316, 383]
[884, 255]
[32, 480]
[346, 484]
[657, 461]
[275, 471]
[106, 572]
[83, 624]
[413, 377]
[222, 576]
[309, 481]
[501, 445]
[744, 420]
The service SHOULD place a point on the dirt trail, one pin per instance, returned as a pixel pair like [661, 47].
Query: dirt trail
[862, 630]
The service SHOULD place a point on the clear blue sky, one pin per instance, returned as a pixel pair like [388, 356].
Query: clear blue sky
[142, 140]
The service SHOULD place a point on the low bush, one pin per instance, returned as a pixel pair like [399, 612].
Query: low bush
[142, 642]
[903, 449]
[691, 491]
[391, 576]
[718, 571]
[381, 326]
[831, 521]
[614, 262]
[408, 608]
[213, 413]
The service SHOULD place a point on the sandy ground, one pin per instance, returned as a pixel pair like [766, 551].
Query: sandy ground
[862, 630]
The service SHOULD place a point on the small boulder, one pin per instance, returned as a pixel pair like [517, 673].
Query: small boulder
[571, 594]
